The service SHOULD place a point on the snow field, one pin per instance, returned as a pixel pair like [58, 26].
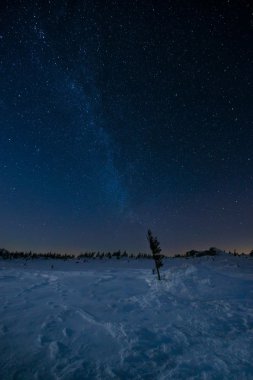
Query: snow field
[114, 320]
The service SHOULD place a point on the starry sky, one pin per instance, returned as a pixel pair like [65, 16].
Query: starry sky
[119, 116]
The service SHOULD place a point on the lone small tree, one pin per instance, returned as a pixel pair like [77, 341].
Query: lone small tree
[156, 250]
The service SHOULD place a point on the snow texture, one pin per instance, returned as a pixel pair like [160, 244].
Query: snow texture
[112, 319]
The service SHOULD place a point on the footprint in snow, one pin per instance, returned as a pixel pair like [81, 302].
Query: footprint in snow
[43, 340]
[57, 349]
[67, 332]
[3, 330]
[53, 305]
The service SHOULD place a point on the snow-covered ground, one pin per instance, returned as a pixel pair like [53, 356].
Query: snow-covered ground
[113, 320]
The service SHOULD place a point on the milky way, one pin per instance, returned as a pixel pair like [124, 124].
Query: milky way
[122, 116]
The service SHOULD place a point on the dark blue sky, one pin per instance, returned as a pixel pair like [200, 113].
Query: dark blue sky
[122, 116]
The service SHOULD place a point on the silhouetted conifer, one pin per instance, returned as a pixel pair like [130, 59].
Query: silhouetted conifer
[156, 250]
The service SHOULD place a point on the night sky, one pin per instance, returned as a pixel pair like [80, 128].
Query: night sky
[119, 116]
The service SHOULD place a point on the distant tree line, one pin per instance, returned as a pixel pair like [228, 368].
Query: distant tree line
[5, 254]
[86, 255]
[210, 252]
[33, 255]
